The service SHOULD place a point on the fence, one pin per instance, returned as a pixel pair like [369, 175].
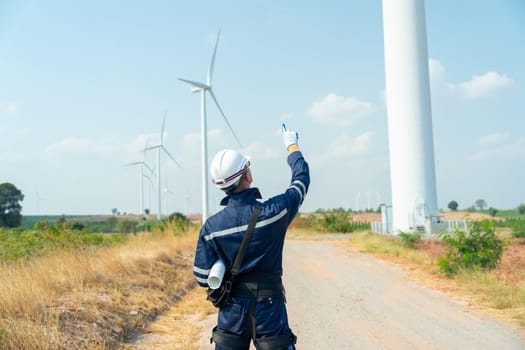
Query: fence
[448, 226]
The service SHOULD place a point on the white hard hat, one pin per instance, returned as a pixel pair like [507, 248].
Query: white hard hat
[227, 167]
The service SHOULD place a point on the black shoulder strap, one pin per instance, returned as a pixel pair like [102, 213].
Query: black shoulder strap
[244, 244]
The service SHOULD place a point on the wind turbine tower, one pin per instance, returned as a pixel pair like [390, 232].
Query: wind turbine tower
[159, 147]
[142, 176]
[203, 88]
[167, 192]
[413, 179]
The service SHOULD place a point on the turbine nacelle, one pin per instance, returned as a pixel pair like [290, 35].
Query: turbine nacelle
[196, 86]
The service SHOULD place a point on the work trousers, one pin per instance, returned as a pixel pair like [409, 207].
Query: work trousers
[270, 316]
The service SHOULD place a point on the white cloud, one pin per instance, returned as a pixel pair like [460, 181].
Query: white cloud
[258, 150]
[494, 138]
[339, 110]
[346, 146]
[482, 85]
[145, 140]
[193, 139]
[500, 147]
[11, 107]
[478, 86]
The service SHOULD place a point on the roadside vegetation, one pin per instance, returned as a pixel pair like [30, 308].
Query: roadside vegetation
[485, 269]
[329, 221]
[97, 283]
[64, 289]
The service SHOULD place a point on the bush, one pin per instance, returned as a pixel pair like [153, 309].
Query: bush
[335, 220]
[17, 243]
[493, 211]
[518, 228]
[127, 226]
[478, 247]
[176, 223]
[409, 240]
[179, 221]
[516, 225]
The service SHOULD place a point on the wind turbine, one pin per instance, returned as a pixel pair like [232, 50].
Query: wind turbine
[159, 147]
[202, 88]
[167, 191]
[142, 175]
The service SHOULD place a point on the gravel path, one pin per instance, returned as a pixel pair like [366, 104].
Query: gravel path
[341, 300]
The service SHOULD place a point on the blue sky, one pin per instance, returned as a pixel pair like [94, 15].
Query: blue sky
[84, 86]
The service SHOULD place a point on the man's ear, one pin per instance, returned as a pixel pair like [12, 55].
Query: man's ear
[249, 176]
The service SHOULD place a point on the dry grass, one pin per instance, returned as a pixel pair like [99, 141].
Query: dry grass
[93, 299]
[177, 329]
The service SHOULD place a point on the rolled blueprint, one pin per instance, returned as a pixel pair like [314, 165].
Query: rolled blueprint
[216, 274]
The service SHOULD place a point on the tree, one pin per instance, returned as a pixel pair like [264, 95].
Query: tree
[493, 211]
[453, 205]
[114, 211]
[10, 207]
[521, 208]
[481, 204]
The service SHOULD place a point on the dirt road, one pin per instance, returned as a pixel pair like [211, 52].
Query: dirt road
[341, 300]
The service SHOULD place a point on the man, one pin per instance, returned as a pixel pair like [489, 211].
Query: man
[258, 309]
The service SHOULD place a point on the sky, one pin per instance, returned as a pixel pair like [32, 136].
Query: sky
[84, 87]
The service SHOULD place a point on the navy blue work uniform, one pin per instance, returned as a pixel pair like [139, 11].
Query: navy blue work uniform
[220, 238]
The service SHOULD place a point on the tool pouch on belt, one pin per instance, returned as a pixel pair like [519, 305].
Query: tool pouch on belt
[221, 297]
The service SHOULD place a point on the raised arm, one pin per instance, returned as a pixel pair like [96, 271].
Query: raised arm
[300, 171]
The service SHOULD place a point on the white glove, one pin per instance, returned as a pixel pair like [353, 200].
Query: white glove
[289, 137]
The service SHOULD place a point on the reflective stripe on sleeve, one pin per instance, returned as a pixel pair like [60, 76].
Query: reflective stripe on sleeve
[201, 271]
[201, 280]
[301, 196]
[232, 230]
[301, 184]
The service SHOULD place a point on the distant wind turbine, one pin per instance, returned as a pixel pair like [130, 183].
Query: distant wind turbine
[149, 188]
[167, 192]
[202, 88]
[142, 175]
[159, 147]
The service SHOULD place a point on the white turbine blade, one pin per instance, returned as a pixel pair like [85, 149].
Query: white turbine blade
[195, 84]
[152, 147]
[134, 163]
[144, 151]
[172, 158]
[225, 119]
[210, 70]
[148, 167]
[162, 129]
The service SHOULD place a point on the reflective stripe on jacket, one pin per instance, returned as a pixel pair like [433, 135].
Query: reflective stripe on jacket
[221, 235]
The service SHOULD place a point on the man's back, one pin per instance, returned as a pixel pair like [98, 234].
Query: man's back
[257, 307]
